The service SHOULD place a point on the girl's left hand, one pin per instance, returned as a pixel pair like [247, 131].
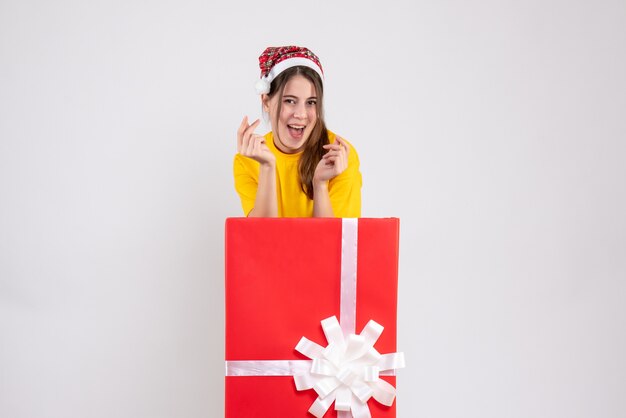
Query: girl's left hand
[334, 162]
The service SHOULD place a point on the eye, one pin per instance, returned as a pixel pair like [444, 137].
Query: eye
[290, 101]
[311, 102]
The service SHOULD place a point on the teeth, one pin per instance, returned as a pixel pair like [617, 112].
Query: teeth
[296, 127]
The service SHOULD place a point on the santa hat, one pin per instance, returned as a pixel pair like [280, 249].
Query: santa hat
[275, 60]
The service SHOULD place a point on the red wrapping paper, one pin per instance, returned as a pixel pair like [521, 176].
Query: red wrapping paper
[282, 278]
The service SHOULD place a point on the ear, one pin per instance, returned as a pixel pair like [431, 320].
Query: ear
[265, 102]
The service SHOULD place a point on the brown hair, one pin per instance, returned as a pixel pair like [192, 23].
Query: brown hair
[313, 148]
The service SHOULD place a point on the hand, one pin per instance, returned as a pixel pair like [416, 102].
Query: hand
[333, 163]
[252, 145]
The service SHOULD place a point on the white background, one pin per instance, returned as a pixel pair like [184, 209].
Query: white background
[494, 129]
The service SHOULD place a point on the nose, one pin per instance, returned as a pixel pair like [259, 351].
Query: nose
[300, 111]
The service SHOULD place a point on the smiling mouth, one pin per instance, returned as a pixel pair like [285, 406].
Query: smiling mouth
[296, 131]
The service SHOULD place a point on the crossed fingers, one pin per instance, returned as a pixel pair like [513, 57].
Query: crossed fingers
[246, 135]
[337, 155]
[252, 145]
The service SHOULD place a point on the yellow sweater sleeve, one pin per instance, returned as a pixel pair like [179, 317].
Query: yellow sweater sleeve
[246, 172]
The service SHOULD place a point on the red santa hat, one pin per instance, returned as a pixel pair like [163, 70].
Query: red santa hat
[275, 60]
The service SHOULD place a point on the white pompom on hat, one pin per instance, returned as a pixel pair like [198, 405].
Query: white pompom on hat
[275, 60]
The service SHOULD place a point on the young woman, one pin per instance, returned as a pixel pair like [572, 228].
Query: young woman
[299, 169]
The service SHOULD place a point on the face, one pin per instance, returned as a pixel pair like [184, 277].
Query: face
[298, 114]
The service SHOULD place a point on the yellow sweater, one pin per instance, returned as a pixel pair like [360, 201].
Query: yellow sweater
[344, 190]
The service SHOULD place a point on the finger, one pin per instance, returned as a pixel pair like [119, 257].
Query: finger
[245, 146]
[343, 143]
[245, 143]
[248, 135]
[332, 148]
[250, 129]
[335, 152]
[339, 159]
[339, 143]
[260, 146]
[330, 160]
[250, 142]
[243, 125]
[257, 142]
[345, 150]
[241, 130]
[344, 158]
[264, 147]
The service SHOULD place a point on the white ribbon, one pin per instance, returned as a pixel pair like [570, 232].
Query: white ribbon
[349, 251]
[347, 371]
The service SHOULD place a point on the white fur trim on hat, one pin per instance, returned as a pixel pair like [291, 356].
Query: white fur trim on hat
[263, 85]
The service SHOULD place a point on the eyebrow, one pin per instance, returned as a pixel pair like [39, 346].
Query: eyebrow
[291, 96]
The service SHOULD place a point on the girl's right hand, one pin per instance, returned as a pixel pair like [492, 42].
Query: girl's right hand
[252, 145]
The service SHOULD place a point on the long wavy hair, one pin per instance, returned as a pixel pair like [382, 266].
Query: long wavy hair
[313, 148]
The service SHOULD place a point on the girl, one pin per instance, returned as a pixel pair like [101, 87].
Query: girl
[299, 169]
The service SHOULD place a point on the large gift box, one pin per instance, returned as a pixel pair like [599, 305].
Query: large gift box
[306, 304]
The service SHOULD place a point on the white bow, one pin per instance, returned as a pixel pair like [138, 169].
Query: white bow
[347, 370]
